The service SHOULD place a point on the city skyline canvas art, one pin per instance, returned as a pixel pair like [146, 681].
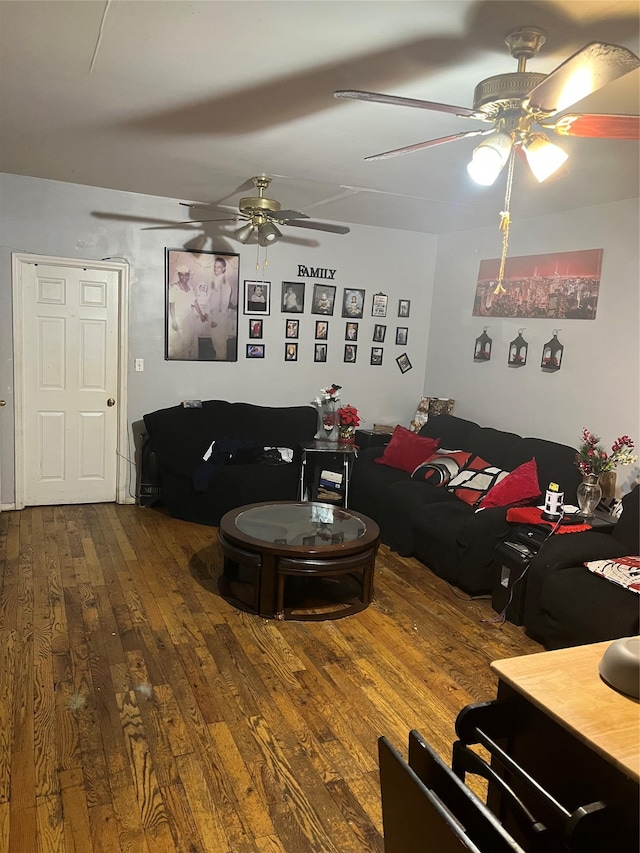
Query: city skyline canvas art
[559, 285]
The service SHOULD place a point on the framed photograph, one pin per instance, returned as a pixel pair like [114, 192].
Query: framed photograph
[322, 330]
[350, 353]
[255, 328]
[291, 352]
[403, 362]
[324, 297]
[255, 350]
[256, 297]
[320, 352]
[351, 332]
[376, 355]
[378, 333]
[292, 301]
[379, 305]
[404, 307]
[201, 305]
[291, 329]
[352, 303]
[402, 335]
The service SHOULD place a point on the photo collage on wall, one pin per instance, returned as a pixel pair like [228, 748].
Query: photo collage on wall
[326, 302]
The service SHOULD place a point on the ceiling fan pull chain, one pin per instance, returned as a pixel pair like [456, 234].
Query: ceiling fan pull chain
[265, 263]
[505, 223]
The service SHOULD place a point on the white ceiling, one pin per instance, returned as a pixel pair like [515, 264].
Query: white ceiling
[188, 100]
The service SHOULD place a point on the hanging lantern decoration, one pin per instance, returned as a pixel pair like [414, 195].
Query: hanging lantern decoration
[552, 354]
[518, 349]
[482, 351]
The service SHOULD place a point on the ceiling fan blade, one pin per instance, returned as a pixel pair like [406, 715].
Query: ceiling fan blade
[582, 74]
[203, 206]
[395, 100]
[125, 217]
[192, 222]
[170, 227]
[408, 149]
[597, 126]
[288, 214]
[321, 226]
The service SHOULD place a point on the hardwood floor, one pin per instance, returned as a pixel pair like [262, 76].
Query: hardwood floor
[141, 712]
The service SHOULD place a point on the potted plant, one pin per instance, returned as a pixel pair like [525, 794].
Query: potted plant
[348, 420]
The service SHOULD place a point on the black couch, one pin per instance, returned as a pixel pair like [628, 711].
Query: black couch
[428, 522]
[565, 603]
[239, 471]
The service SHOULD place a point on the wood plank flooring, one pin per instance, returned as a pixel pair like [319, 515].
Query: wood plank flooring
[141, 712]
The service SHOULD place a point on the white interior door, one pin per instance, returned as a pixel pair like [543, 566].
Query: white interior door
[69, 354]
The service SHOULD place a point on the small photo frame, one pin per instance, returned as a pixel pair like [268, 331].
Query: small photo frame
[292, 301]
[352, 303]
[402, 336]
[404, 307]
[379, 305]
[351, 332]
[376, 355]
[322, 330]
[291, 352]
[324, 297]
[378, 333]
[255, 328]
[403, 362]
[350, 353]
[255, 350]
[320, 352]
[256, 297]
[292, 328]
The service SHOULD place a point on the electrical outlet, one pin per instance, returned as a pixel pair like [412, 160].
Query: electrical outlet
[139, 365]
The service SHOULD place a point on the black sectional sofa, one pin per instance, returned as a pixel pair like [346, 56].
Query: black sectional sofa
[419, 519]
[565, 603]
[239, 470]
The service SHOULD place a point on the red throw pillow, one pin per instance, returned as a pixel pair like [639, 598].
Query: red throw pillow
[406, 450]
[520, 485]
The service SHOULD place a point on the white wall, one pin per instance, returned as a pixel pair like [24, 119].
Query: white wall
[598, 384]
[53, 218]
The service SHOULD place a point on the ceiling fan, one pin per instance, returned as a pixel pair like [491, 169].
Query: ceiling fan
[515, 103]
[262, 215]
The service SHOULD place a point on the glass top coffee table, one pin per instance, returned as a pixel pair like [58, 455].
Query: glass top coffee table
[298, 560]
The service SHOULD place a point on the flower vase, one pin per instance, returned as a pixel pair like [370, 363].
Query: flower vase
[329, 419]
[607, 482]
[346, 434]
[588, 494]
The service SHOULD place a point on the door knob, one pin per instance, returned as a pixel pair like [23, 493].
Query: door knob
[3, 402]
[111, 402]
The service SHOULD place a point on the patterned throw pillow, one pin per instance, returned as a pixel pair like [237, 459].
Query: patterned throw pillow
[441, 467]
[624, 571]
[475, 479]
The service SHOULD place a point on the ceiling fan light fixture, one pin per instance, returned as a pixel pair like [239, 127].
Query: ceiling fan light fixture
[489, 158]
[244, 232]
[268, 234]
[544, 158]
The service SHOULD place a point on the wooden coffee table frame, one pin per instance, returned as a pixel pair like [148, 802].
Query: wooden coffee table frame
[269, 564]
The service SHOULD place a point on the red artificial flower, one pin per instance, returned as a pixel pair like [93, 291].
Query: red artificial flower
[348, 416]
